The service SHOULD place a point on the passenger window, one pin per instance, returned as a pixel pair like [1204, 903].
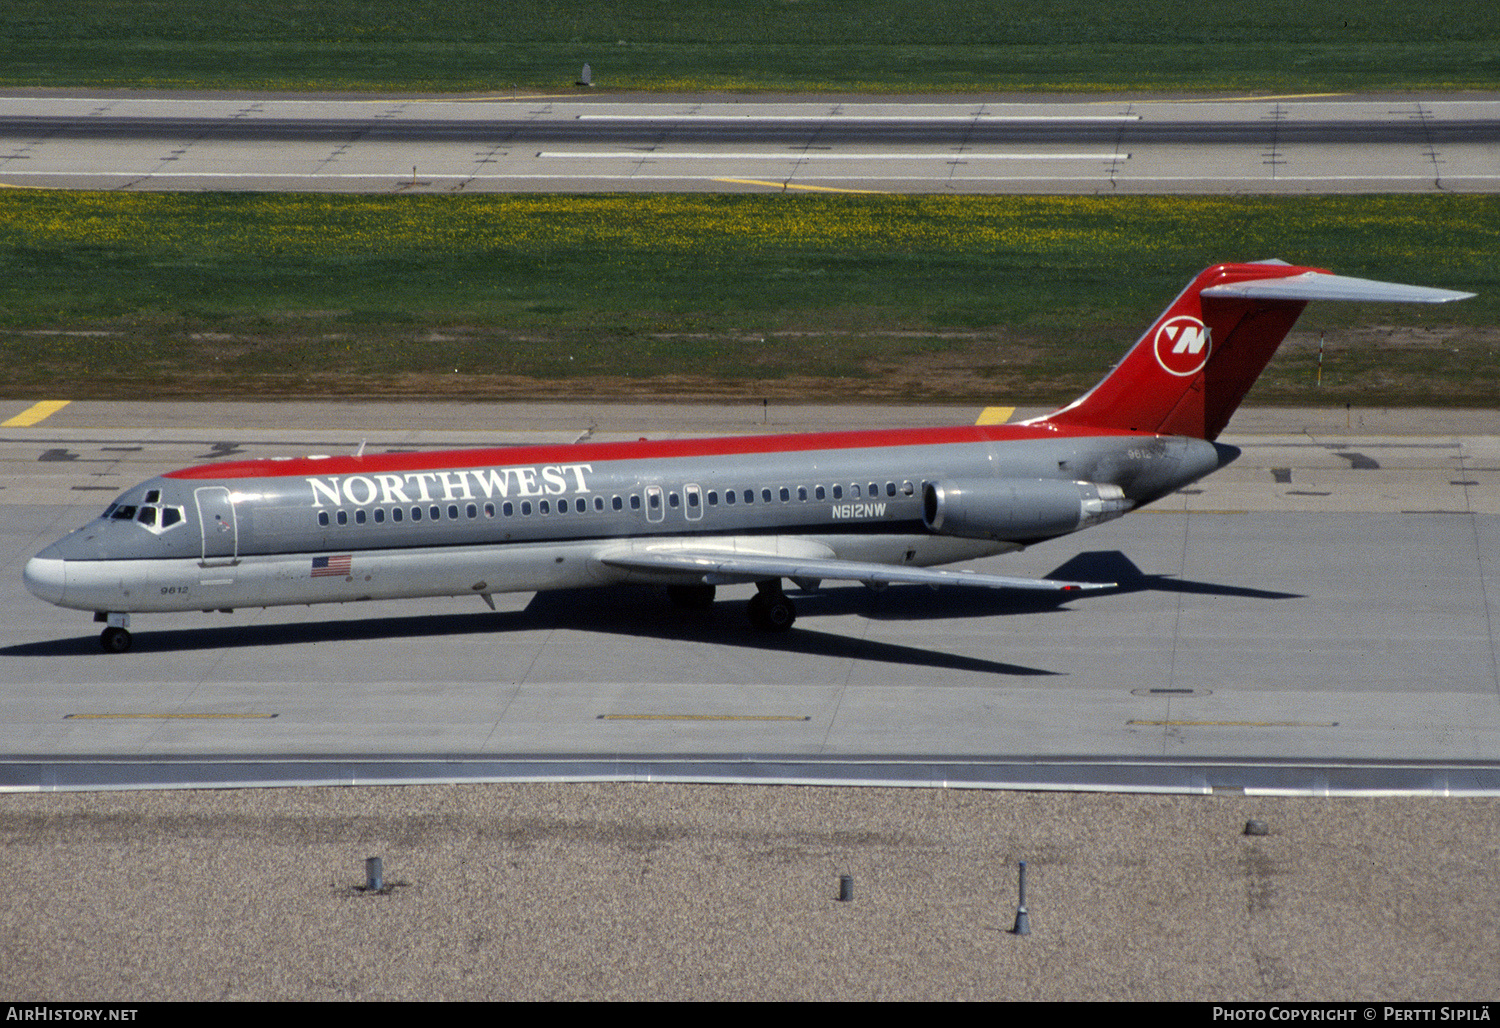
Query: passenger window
[343, 517]
[838, 492]
[562, 506]
[452, 512]
[436, 512]
[818, 492]
[544, 506]
[617, 503]
[396, 515]
[854, 491]
[906, 488]
[359, 517]
[416, 513]
[890, 488]
[380, 515]
[599, 503]
[713, 498]
[673, 500]
[508, 509]
[489, 510]
[323, 518]
[525, 508]
[765, 494]
[802, 493]
[728, 496]
[635, 502]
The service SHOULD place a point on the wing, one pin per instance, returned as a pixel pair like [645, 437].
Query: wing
[712, 567]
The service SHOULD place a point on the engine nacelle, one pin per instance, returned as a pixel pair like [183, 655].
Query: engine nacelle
[1018, 509]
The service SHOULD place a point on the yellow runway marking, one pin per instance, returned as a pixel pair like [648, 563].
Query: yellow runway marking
[34, 413]
[995, 415]
[1239, 724]
[1243, 99]
[701, 717]
[163, 717]
[793, 185]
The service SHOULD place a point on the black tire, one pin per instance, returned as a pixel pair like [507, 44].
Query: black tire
[114, 640]
[772, 612]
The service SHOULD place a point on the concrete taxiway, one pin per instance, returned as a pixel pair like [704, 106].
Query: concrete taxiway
[1323, 608]
[1295, 144]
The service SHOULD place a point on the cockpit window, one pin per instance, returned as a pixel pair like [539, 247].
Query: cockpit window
[154, 516]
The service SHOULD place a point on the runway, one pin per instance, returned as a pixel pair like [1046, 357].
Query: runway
[580, 143]
[1316, 618]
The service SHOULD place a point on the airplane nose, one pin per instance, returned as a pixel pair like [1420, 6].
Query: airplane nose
[46, 578]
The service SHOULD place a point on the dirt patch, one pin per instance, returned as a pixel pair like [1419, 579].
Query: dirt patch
[1388, 364]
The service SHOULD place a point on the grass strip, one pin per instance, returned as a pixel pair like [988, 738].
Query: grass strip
[792, 45]
[1028, 299]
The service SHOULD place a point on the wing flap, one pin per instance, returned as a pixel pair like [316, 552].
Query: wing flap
[718, 568]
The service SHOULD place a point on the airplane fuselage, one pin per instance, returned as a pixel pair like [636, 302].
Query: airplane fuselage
[334, 529]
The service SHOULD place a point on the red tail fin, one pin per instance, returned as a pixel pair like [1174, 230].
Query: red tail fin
[1189, 372]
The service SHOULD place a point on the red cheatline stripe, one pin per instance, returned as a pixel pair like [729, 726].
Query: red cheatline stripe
[661, 449]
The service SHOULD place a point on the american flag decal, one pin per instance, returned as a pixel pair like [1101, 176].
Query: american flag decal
[327, 566]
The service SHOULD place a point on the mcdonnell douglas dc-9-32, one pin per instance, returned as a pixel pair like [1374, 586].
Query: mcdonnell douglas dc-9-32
[876, 507]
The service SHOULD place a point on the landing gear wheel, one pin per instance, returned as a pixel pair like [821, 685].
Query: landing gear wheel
[114, 640]
[772, 612]
[691, 597]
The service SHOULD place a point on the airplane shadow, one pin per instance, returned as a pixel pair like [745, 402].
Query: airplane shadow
[1114, 566]
[642, 612]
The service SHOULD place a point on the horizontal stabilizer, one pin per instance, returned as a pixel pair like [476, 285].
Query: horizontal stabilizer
[1315, 285]
[717, 568]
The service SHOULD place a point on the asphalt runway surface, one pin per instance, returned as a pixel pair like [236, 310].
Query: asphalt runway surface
[130, 140]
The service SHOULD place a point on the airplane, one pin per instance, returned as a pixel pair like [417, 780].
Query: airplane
[876, 507]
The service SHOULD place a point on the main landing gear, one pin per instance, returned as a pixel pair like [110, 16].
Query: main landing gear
[115, 638]
[770, 610]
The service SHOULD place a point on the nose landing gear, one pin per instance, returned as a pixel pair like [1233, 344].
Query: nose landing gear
[115, 638]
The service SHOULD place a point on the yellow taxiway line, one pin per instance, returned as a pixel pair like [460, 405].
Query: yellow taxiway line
[793, 185]
[36, 412]
[702, 717]
[166, 717]
[995, 415]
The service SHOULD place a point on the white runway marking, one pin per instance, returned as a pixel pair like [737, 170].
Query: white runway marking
[1204, 145]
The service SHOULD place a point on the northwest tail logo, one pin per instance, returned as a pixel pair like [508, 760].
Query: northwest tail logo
[1182, 345]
